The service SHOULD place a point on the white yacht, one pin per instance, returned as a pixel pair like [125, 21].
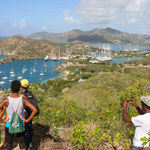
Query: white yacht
[11, 71]
[2, 82]
[12, 75]
[4, 77]
[19, 77]
[41, 74]
[46, 58]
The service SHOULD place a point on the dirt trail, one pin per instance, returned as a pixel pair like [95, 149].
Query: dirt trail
[42, 140]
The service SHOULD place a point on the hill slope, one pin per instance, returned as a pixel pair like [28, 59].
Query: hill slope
[107, 35]
[22, 48]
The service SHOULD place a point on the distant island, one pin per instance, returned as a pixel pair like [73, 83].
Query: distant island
[107, 35]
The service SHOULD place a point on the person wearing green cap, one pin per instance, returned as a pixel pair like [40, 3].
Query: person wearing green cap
[28, 126]
[141, 122]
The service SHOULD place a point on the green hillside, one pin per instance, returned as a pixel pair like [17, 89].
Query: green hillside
[96, 101]
[87, 114]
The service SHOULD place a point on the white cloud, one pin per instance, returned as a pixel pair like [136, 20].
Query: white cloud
[68, 18]
[97, 11]
[44, 27]
[105, 12]
[21, 23]
[10, 27]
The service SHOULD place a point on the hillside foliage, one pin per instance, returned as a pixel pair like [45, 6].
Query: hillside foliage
[96, 100]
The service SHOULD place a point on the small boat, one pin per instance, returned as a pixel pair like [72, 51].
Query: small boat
[2, 82]
[4, 77]
[34, 70]
[10, 81]
[11, 71]
[24, 69]
[19, 77]
[12, 75]
[41, 74]
[46, 58]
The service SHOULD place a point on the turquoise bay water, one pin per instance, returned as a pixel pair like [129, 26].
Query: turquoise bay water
[2, 56]
[122, 47]
[2, 37]
[32, 68]
[124, 59]
[25, 69]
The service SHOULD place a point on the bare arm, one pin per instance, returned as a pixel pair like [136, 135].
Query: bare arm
[125, 116]
[3, 105]
[140, 111]
[33, 109]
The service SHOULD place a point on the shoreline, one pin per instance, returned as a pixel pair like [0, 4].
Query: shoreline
[17, 66]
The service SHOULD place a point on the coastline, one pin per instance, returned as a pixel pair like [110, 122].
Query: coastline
[33, 76]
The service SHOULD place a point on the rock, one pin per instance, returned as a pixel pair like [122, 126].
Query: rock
[115, 144]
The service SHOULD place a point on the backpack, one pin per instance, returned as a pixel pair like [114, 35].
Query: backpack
[16, 124]
[33, 101]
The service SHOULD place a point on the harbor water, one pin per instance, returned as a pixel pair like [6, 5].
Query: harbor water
[35, 70]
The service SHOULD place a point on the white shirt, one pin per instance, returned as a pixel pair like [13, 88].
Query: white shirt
[142, 124]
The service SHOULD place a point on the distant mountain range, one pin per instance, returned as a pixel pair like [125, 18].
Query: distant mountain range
[107, 35]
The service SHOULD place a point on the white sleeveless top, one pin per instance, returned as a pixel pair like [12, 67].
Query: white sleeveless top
[13, 104]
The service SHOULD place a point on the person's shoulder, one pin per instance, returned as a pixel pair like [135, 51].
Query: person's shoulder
[147, 115]
[22, 95]
[141, 117]
[5, 101]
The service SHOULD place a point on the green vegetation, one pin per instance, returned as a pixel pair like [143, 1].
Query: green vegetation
[144, 61]
[139, 53]
[65, 102]
[145, 140]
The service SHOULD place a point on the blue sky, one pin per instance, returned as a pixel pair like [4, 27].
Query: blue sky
[28, 16]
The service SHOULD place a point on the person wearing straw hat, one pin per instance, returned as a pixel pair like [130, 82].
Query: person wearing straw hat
[141, 122]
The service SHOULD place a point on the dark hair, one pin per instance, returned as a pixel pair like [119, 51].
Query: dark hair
[15, 86]
[145, 105]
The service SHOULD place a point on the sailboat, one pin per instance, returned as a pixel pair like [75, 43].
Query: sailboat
[67, 54]
[41, 74]
[45, 69]
[12, 75]
[34, 70]
[44, 64]
[10, 79]
[31, 71]
[35, 63]
[24, 69]
[4, 77]
[59, 53]
[19, 76]
[11, 71]
[53, 57]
